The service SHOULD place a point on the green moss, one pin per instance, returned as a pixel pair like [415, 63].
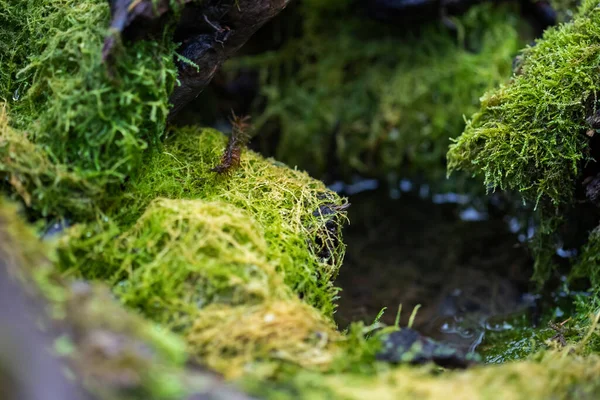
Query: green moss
[89, 121]
[240, 267]
[529, 134]
[546, 372]
[264, 336]
[518, 342]
[551, 376]
[389, 100]
[184, 237]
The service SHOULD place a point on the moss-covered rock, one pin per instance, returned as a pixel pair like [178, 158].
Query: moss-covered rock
[184, 232]
[253, 252]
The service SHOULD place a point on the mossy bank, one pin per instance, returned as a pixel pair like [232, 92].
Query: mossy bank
[230, 271]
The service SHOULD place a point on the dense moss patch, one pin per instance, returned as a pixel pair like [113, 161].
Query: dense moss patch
[184, 232]
[87, 124]
[529, 134]
[387, 100]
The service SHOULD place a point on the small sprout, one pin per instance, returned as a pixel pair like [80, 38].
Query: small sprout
[63, 346]
[411, 320]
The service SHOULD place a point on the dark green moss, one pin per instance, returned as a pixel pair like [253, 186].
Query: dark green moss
[529, 133]
[88, 120]
[389, 100]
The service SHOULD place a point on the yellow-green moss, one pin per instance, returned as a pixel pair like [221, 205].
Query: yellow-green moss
[263, 335]
[555, 375]
[183, 237]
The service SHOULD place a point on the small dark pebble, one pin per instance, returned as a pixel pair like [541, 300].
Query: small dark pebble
[328, 234]
[409, 346]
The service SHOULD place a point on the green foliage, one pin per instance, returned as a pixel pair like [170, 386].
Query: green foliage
[529, 133]
[390, 100]
[90, 122]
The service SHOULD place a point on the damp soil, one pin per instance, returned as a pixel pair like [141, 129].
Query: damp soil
[468, 272]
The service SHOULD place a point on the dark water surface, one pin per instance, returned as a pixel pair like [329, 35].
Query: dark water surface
[467, 270]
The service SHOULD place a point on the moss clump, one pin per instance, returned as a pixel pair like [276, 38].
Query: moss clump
[181, 255]
[528, 135]
[206, 254]
[184, 241]
[389, 100]
[89, 122]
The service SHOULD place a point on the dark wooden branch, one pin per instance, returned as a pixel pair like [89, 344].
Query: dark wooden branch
[210, 31]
